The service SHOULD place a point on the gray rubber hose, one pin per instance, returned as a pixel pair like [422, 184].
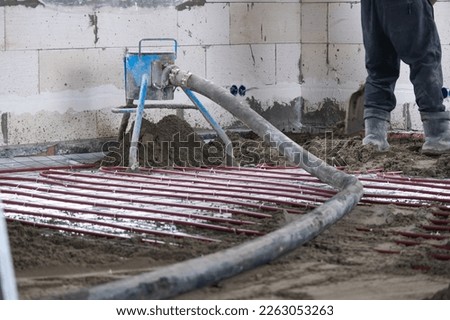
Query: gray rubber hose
[172, 280]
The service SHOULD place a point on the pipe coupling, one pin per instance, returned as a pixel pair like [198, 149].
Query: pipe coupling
[177, 77]
[166, 73]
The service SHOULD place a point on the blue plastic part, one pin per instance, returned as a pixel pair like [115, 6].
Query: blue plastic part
[234, 90]
[242, 90]
[445, 92]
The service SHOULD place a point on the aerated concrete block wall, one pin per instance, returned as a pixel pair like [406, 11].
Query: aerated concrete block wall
[62, 71]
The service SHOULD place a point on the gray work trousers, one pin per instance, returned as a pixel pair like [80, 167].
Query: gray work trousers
[394, 31]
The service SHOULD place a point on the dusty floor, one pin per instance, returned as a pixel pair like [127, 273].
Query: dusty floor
[344, 262]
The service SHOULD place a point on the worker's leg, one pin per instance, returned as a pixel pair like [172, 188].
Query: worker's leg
[411, 27]
[383, 68]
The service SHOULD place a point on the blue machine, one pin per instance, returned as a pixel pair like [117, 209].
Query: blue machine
[143, 81]
[147, 78]
[148, 64]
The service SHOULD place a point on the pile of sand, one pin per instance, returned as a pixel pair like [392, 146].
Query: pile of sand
[170, 142]
[173, 142]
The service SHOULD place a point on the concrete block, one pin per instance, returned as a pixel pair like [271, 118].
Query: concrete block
[107, 96]
[197, 120]
[344, 23]
[193, 59]
[45, 28]
[125, 27]
[45, 126]
[288, 61]
[446, 64]
[314, 23]
[19, 73]
[315, 67]
[79, 69]
[248, 65]
[403, 81]
[264, 23]
[205, 25]
[319, 83]
[398, 119]
[107, 123]
[406, 116]
[415, 121]
[347, 66]
[2, 28]
[441, 15]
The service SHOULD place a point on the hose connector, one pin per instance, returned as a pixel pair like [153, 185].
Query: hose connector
[177, 77]
[165, 82]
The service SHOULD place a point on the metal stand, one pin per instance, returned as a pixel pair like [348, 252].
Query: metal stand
[146, 79]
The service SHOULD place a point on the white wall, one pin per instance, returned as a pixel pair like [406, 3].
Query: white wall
[61, 67]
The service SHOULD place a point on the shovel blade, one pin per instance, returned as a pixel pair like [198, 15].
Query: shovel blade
[354, 118]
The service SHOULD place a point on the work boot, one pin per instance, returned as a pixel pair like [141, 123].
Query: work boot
[436, 128]
[376, 133]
